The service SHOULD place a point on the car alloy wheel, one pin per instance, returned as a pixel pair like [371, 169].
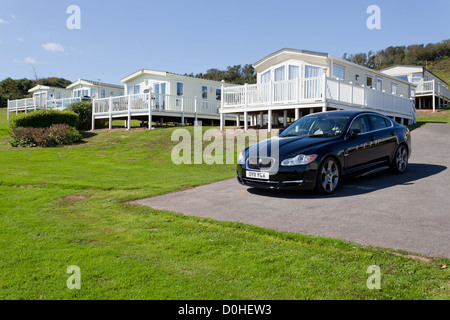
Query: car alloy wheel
[401, 159]
[328, 177]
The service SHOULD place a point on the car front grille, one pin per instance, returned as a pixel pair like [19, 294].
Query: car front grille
[260, 163]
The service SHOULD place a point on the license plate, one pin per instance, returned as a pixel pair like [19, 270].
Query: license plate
[257, 175]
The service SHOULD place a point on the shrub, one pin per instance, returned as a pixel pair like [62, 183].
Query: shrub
[84, 111]
[44, 119]
[55, 135]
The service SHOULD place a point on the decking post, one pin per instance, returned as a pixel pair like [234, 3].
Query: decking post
[7, 110]
[269, 123]
[182, 111]
[245, 121]
[149, 111]
[238, 120]
[129, 114]
[351, 93]
[93, 115]
[324, 88]
[261, 118]
[284, 118]
[195, 110]
[110, 113]
[297, 113]
[363, 102]
[222, 121]
[434, 99]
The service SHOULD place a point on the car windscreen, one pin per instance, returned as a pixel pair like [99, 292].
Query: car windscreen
[319, 125]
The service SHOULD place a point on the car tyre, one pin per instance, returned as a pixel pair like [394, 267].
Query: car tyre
[328, 176]
[400, 161]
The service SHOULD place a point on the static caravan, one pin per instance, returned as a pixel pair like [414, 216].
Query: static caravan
[152, 95]
[431, 91]
[94, 89]
[42, 94]
[293, 82]
[168, 85]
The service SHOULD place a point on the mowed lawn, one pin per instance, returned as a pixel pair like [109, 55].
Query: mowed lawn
[68, 206]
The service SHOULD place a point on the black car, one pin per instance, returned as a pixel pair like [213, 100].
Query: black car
[318, 150]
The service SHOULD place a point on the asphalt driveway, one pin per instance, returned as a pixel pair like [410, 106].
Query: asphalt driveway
[409, 212]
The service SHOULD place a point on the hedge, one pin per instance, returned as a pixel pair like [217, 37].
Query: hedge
[55, 135]
[84, 111]
[44, 119]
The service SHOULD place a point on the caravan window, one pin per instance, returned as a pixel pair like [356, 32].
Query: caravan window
[379, 84]
[338, 72]
[394, 88]
[179, 88]
[279, 74]
[294, 72]
[369, 82]
[265, 77]
[312, 72]
[416, 77]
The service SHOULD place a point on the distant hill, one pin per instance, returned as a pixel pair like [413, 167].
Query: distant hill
[434, 56]
[441, 68]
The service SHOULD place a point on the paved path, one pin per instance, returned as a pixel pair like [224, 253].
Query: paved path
[410, 211]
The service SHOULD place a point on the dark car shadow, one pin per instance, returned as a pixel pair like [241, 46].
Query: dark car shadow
[361, 185]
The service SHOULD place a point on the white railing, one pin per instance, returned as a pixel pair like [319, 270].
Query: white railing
[321, 89]
[137, 103]
[20, 104]
[339, 91]
[36, 103]
[432, 87]
[274, 93]
[61, 104]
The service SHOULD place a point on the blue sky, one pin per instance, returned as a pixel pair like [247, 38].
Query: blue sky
[118, 38]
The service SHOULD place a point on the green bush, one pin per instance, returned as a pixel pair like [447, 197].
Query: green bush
[44, 119]
[84, 111]
[55, 135]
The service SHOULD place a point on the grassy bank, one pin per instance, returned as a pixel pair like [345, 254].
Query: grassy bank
[67, 206]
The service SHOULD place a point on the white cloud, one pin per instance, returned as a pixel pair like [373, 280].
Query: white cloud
[13, 16]
[26, 60]
[20, 39]
[53, 47]
[3, 21]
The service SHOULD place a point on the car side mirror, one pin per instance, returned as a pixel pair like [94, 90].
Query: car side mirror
[354, 133]
[280, 131]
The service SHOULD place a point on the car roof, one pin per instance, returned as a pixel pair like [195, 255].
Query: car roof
[349, 113]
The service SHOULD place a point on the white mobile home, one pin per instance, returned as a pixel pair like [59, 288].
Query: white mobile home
[42, 99]
[94, 89]
[45, 97]
[292, 82]
[157, 95]
[431, 91]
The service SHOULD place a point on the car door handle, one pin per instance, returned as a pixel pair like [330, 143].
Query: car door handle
[371, 138]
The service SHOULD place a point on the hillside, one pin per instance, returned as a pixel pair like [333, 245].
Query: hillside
[441, 68]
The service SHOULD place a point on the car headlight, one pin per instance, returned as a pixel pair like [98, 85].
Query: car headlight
[299, 160]
[241, 157]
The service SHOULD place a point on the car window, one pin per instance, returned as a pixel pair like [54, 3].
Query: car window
[379, 122]
[361, 123]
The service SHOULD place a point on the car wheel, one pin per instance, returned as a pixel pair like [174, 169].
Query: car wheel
[400, 163]
[328, 176]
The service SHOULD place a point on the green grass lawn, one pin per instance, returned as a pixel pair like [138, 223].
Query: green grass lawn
[67, 206]
[426, 116]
